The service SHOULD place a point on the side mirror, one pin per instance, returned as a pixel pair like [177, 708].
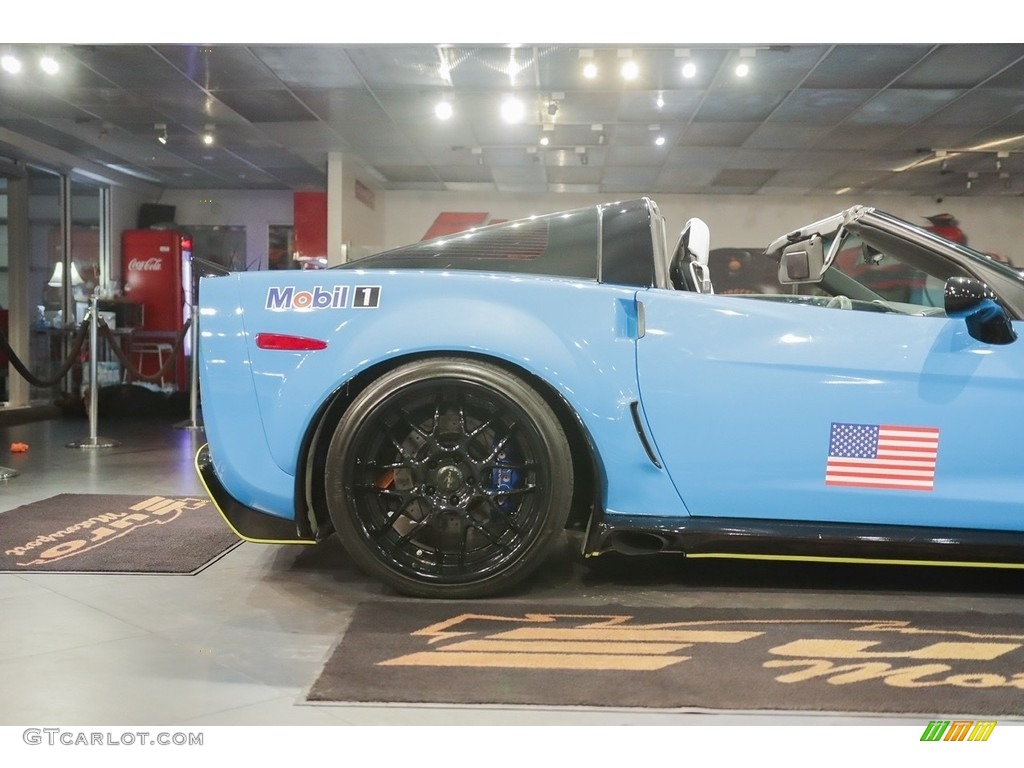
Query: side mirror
[802, 262]
[976, 303]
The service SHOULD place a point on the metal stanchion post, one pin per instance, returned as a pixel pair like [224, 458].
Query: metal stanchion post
[193, 399]
[94, 388]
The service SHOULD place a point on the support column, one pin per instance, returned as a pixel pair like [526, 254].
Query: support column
[20, 309]
[337, 251]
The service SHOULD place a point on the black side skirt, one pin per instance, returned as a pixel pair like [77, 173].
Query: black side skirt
[800, 540]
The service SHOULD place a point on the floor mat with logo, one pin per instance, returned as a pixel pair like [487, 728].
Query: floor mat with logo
[716, 659]
[99, 533]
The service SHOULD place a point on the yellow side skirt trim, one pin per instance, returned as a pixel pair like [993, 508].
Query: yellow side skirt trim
[855, 560]
[213, 498]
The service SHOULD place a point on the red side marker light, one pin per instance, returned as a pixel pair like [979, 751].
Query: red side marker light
[288, 343]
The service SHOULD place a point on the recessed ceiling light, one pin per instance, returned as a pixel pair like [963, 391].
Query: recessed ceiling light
[689, 70]
[443, 110]
[590, 70]
[10, 64]
[49, 65]
[630, 70]
[512, 110]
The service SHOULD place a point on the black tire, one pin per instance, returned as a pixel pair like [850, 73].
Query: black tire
[449, 478]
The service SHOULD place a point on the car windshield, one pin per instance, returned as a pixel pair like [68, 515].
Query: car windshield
[881, 264]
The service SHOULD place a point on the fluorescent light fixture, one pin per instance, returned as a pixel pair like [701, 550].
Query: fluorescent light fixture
[135, 172]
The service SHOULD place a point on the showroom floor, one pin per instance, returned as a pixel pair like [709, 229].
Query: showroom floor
[242, 641]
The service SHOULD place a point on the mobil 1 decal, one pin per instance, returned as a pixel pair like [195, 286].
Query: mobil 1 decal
[287, 297]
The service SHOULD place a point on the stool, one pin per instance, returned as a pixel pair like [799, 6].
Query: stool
[162, 351]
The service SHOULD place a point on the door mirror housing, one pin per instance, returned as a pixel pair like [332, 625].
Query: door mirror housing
[975, 302]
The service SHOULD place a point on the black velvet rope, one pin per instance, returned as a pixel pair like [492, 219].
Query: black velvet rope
[79, 341]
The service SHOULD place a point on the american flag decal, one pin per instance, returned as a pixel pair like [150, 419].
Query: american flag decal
[882, 456]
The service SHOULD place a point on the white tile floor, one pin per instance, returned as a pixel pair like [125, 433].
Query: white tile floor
[241, 642]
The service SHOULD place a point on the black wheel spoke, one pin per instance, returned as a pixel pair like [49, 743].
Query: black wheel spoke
[412, 424]
[497, 495]
[499, 446]
[495, 540]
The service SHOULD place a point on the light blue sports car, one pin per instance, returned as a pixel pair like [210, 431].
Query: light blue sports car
[452, 407]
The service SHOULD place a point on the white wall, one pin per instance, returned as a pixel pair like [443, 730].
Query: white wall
[255, 210]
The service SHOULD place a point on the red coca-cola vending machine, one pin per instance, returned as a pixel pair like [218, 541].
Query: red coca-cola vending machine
[156, 265]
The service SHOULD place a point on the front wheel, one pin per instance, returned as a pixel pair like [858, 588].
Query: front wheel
[449, 478]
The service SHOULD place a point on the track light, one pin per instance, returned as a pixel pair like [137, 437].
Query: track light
[589, 65]
[162, 132]
[746, 58]
[630, 70]
[689, 67]
[208, 135]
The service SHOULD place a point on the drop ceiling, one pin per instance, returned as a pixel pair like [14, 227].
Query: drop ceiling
[884, 119]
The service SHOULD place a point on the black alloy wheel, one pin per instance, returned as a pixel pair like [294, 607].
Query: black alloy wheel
[449, 478]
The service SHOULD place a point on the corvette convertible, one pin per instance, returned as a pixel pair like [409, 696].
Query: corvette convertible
[453, 408]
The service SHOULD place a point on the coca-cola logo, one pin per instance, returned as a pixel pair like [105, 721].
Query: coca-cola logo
[148, 265]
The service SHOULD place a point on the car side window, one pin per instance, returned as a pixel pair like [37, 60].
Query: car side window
[909, 278]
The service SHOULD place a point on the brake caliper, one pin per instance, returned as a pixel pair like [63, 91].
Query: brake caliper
[503, 479]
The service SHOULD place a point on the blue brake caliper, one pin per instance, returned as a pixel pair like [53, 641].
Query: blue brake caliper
[504, 479]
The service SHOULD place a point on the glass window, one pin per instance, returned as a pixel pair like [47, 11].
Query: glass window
[45, 279]
[4, 300]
